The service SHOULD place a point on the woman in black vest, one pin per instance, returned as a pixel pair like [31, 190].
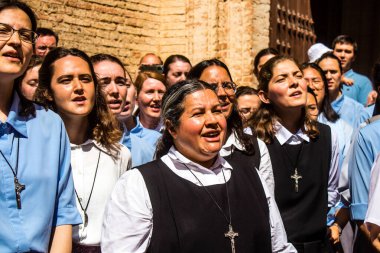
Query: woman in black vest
[303, 154]
[190, 199]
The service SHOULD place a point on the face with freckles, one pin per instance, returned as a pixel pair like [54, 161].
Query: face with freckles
[202, 128]
[111, 77]
[15, 54]
[73, 89]
[286, 88]
[217, 76]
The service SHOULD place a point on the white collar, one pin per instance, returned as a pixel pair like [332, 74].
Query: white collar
[178, 158]
[283, 135]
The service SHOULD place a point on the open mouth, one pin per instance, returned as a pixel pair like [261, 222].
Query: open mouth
[296, 94]
[79, 100]
[155, 107]
[13, 56]
[212, 136]
[114, 104]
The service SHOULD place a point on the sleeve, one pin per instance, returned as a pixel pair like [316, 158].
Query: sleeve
[364, 90]
[373, 214]
[265, 169]
[332, 189]
[125, 160]
[65, 209]
[279, 238]
[128, 218]
[359, 171]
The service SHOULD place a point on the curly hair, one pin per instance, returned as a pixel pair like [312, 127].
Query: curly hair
[266, 117]
[103, 126]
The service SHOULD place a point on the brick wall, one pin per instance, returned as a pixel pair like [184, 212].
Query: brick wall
[232, 30]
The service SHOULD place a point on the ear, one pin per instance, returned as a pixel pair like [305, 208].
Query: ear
[263, 97]
[172, 131]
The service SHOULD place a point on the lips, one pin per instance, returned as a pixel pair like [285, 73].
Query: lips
[296, 93]
[155, 107]
[114, 104]
[212, 136]
[80, 100]
[12, 56]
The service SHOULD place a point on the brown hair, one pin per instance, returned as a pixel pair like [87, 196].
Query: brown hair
[144, 75]
[103, 126]
[264, 121]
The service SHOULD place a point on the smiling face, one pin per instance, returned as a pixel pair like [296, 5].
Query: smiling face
[178, 71]
[111, 77]
[286, 89]
[202, 128]
[14, 53]
[150, 97]
[217, 75]
[30, 82]
[72, 87]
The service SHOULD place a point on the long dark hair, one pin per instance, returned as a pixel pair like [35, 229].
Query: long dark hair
[26, 107]
[173, 108]
[103, 127]
[326, 109]
[266, 117]
[234, 121]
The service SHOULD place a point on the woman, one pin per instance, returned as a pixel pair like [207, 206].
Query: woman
[176, 68]
[316, 80]
[248, 102]
[312, 104]
[217, 74]
[156, 206]
[68, 85]
[303, 152]
[29, 80]
[150, 87]
[262, 57]
[348, 109]
[37, 195]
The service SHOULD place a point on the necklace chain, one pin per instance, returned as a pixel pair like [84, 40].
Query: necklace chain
[212, 197]
[6, 160]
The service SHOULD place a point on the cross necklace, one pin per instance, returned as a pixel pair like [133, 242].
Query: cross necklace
[231, 234]
[296, 177]
[85, 216]
[19, 187]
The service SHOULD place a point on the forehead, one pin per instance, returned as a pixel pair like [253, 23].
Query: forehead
[344, 45]
[180, 66]
[150, 59]
[310, 73]
[201, 98]
[16, 18]
[214, 74]
[285, 66]
[107, 68]
[248, 99]
[46, 40]
[71, 64]
[152, 83]
[329, 63]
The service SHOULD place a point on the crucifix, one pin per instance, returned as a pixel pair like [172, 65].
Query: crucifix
[296, 177]
[231, 234]
[18, 189]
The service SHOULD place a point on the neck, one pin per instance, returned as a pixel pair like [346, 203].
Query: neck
[129, 123]
[292, 120]
[77, 129]
[6, 94]
[334, 95]
[148, 122]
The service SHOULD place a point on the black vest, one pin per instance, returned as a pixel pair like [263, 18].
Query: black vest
[304, 212]
[185, 218]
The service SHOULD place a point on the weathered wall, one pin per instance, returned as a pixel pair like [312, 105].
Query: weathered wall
[232, 30]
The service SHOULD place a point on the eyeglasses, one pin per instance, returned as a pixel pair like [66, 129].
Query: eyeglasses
[6, 32]
[228, 87]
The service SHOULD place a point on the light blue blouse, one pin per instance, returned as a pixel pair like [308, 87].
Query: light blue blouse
[360, 89]
[141, 142]
[365, 148]
[44, 168]
[350, 111]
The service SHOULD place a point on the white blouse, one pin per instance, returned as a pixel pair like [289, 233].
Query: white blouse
[372, 219]
[84, 160]
[128, 219]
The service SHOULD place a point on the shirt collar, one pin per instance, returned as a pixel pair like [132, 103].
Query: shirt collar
[283, 135]
[338, 103]
[177, 157]
[17, 121]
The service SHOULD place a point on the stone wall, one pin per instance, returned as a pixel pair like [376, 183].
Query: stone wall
[232, 30]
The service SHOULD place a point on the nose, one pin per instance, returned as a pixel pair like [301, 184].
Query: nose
[112, 89]
[78, 86]
[15, 38]
[220, 91]
[328, 75]
[182, 77]
[156, 96]
[294, 82]
[211, 120]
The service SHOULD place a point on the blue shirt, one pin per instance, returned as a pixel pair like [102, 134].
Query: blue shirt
[370, 109]
[365, 148]
[44, 168]
[141, 142]
[360, 89]
[343, 131]
[350, 111]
